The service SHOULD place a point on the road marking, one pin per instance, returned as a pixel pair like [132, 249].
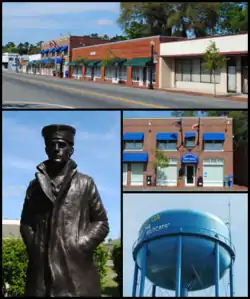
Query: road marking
[95, 94]
[37, 103]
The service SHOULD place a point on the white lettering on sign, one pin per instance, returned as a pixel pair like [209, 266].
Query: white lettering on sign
[157, 228]
[92, 53]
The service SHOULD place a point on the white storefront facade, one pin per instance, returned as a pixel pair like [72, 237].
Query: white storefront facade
[181, 65]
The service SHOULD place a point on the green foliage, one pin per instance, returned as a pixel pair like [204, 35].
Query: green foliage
[107, 62]
[160, 160]
[213, 60]
[184, 113]
[117, 260]
[15, 262]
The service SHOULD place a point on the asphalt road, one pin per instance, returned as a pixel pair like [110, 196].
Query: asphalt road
[64, 93]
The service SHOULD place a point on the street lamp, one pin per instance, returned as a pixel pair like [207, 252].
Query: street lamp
[152, 44]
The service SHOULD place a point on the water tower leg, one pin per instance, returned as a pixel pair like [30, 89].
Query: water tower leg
[143, 269]
[178, 267]
[217, 268]
[153, 290]
[231, 279]
[184, 292]
[135, 280]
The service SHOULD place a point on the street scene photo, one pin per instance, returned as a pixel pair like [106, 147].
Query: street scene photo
[185, 150]
[129, 63]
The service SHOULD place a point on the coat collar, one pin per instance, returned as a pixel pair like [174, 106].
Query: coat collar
[45, 182]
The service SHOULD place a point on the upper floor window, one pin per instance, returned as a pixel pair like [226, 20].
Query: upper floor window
[190, 139]
[167, 145]
[133, 145]
[213, 145]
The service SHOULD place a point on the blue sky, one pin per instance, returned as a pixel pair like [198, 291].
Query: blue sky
[146, 114]
[138, 207]
[43, 21]
[97, 153]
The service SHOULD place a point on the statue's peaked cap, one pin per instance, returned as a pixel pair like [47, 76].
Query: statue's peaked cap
[64, 132]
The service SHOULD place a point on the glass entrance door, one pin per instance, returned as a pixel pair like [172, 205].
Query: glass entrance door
[190, 175]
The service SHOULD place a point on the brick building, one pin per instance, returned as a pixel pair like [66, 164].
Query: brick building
[205, 151]
[56, 50]
[128, 62]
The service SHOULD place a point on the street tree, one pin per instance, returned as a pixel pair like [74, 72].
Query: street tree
[213, 61]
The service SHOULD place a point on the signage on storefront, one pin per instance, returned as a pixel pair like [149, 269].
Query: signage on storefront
[155, 57]
[92, 53]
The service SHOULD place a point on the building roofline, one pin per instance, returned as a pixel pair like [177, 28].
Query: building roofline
[7, 221]
[129, 40]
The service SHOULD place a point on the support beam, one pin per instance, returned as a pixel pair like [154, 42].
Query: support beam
[135, 280]
[178, 267]
[153, 290]
[143, 269]
[217, 268]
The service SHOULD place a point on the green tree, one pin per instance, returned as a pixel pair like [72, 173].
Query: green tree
[117, 260]
[184, 113]
[213, 61]
[160, 159]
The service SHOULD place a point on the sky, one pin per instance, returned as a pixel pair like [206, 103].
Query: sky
[139, 207]
[147, 114]
[43, 21]
[97, 154]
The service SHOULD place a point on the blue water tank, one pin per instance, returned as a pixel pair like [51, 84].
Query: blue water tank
[199, 231]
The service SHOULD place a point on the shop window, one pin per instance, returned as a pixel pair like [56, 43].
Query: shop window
[97, 71]
[167, 145]
[133, 145]
[74, 71]
[79, 71]
[88, 71]
[136, 74]
[196, 70]
[178, 70]
[186, 70]
[109, 72]
[148, 73]
[217, 76]
[213, 145]
[123, 73]
[205, 74]
[11, 59]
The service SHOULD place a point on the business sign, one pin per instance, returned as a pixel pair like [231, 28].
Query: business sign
[156, 228]
[92, 53]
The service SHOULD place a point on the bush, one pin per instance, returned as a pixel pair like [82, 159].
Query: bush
[116, 257]
[15, 263]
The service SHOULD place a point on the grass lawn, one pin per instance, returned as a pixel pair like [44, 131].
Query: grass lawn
[111, 288]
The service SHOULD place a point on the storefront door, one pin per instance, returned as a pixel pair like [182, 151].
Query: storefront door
[190, 175]
[231, 75]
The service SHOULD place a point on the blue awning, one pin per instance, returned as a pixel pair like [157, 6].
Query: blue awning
[64, 48]
[190, 134]
[214, 136]
[46, 51]
[189, 158]
[51, 50]
[58, 60]
[57, 49]
[135, 157]
[42, 52]
[133, 136]
[167, 136]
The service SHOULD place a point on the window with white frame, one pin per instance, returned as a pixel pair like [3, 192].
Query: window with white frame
[88, 71]
[153, 73]
[109, 72]
[213, 145]
[123, 73]
[125, 174]
[136, 73]
[74, 71]
[133, 145]
[97, 71]
[190, 141]
[137, 174]
[167, 145]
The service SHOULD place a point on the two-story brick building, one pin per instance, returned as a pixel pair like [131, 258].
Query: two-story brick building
[195, 147]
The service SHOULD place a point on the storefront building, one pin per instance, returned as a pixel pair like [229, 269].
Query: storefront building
[57, 53]
[126, 62]
[201, 151]
[181, 65]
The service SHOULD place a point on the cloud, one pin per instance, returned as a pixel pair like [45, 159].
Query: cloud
[104, 22]
[14, 191]
[55, 8]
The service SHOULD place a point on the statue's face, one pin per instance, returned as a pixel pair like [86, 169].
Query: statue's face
[59, 151]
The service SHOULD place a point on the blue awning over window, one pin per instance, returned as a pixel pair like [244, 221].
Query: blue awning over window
[189, 158]
[135, 157]
[133, 136]
[214, 136]
[64, 48]
[51, 50]
[167, 136]
[190, 134]
[42, 52]
[57, 49]
[58, 60]
[46, 51]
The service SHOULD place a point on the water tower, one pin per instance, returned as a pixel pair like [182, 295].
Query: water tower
[182, 251]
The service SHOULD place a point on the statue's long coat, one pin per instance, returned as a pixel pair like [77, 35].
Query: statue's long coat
[61, 234]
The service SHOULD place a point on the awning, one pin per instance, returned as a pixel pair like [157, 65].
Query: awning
[64, 48]
[189, 158]
[137, 62]
[133, 136]
[57, 49]
[91, 63]
[42, 52]
[58, 60]
[51, 50]
[47, 61]
[190, 134]
[116, 62]
[135, 157]
[214, 136]
[167, 136]
[46, 51]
